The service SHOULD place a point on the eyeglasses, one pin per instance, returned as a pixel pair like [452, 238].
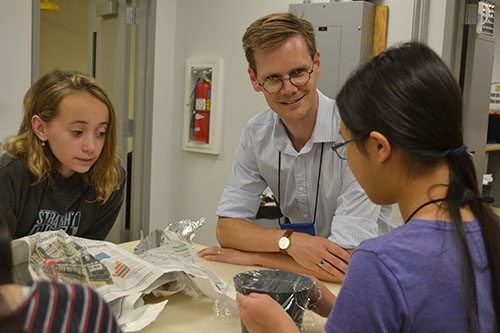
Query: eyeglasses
[341, 152]
[298, 78]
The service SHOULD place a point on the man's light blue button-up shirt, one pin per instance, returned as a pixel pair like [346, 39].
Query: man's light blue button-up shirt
[344, 213]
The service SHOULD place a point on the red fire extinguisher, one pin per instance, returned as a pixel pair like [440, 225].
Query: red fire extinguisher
[202, 110]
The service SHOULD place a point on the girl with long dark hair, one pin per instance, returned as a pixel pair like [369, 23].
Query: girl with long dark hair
[439, 272]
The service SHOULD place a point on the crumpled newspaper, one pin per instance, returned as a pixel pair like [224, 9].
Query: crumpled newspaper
[186, 229]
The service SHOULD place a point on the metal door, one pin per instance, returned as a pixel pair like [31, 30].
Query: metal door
[118, 33]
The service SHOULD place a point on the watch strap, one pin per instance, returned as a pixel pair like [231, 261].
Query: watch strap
[288, 233]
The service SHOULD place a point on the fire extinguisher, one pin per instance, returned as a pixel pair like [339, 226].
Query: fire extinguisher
[202, 110]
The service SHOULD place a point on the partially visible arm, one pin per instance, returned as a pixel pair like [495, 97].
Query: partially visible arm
[259, 246]
[243, 235]
[261, 314]
[97, 307]
[267, 259]
[322, 299]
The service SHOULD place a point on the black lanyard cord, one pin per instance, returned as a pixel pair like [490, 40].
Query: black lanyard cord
[422, 206]
[317, 186]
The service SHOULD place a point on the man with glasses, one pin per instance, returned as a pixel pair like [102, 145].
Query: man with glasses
[288, 149]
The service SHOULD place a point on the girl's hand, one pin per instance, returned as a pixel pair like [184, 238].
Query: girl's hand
[261, 313]
[322, 299]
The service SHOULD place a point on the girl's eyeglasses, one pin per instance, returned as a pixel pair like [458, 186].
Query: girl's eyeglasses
[341, 152]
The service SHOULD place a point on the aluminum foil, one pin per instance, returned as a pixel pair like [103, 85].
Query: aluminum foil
[186, 229]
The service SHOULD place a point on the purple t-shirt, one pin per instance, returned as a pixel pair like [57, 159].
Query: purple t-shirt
[410, 280]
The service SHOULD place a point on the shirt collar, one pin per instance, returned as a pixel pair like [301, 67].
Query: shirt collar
[326, 128]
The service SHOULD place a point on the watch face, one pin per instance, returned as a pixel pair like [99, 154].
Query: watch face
[283, 243]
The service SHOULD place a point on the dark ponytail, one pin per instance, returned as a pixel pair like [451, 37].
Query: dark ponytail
[462, 180]
[409, 95]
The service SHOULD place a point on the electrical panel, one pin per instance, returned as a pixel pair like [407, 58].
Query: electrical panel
[485, 18]
[344, 38]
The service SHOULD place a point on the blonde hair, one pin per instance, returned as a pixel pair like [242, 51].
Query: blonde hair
[43, 99]
[272, 31]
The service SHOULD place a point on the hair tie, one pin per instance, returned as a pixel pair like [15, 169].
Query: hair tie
[456, 152]
[486, 199]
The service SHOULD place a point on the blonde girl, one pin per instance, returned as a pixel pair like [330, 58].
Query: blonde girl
[61, 170]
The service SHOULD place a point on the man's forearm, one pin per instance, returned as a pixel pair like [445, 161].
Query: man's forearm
[246, 236]
[261, 244]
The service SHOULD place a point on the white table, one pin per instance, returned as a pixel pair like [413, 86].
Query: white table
[184, 314]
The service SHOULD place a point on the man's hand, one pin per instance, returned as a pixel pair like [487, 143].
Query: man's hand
[229, 256]
[318, 254]
[274, 260]
[261, 313]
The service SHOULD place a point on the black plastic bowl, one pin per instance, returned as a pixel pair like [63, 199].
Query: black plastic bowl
[291, 290]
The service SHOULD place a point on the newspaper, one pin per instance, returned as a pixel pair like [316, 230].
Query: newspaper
[164, 264]
[165, 250]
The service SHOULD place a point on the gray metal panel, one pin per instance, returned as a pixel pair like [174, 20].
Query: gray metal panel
[329, 81]
[35, 41]
[476, 94]
[143, 116]
[344, 38]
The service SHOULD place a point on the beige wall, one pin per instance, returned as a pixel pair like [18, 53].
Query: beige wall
[63, 37]
[15, 63]
[186, 185]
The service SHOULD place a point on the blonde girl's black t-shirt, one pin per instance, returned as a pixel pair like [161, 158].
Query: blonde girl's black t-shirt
[67, 204]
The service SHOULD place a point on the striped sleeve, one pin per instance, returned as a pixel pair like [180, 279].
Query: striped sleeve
[26, 312]
[98, 315]
[58, 307]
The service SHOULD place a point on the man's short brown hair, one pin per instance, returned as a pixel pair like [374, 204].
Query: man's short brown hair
[272, 31]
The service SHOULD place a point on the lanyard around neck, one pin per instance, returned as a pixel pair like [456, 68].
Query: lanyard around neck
[422, 206]
[317, 185]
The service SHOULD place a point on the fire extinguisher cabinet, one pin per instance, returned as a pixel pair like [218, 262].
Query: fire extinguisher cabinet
[203, 105]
